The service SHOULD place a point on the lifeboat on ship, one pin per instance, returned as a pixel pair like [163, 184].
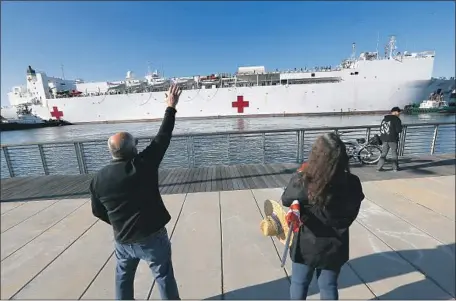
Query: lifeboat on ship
[210, 79]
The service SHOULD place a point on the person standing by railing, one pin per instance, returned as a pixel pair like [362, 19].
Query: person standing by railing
[329, 198]
[390, 129]
[125, 195]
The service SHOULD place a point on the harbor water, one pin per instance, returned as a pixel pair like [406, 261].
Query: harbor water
[103, 131]
[203, 151]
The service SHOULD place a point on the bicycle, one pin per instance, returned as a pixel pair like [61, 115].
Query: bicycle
[366, 152]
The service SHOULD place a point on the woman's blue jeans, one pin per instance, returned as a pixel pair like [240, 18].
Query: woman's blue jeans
[301, 278]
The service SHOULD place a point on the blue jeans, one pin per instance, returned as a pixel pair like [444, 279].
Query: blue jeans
[302, 276]
[156, 250]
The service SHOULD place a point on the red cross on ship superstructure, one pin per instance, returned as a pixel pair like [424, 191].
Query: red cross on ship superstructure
[56, 113]
[240, 104]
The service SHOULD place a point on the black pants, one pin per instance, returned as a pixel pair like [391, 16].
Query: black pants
[385, 149]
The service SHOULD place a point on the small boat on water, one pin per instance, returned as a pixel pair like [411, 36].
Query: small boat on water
[26, 120]
[436, 103]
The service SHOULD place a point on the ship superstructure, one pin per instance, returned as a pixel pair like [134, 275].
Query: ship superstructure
[365, 83]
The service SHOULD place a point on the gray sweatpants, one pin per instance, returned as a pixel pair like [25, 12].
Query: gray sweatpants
[386, 146]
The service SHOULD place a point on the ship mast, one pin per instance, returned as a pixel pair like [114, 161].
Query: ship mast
[378, 41]
[392, 46]
[353, 51]
[63, 73]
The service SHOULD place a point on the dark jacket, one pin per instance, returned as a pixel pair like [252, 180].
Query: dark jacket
[125, 193]
[390, 128]
[323, 240]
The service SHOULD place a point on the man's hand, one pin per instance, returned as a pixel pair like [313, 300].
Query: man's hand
[172, 97]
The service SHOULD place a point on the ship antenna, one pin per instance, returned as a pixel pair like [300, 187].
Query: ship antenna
[392, 46]
[353, 51]
[378, 41]
[63, 72]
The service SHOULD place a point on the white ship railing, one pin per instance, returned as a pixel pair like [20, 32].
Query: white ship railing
[207, 149]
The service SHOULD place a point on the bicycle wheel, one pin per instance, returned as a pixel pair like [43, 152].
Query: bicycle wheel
[369, 154]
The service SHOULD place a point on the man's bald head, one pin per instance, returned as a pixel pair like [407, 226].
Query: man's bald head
[122, 145]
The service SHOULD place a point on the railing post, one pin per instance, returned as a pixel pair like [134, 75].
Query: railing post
[402, 141]
[8, 161]
[434, 138]
[43, 159]
[298, 148]
[81, 152]
[80, 158]
[368, 133]
[189, 151]
[263, 135]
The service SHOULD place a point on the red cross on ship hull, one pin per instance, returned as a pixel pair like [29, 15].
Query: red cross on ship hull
[56, 113]
[240, 104]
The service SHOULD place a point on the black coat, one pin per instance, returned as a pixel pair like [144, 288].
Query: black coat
[323, 241]
[390, 128]
[125, 193]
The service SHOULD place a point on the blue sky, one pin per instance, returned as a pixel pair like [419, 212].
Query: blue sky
[100, 41]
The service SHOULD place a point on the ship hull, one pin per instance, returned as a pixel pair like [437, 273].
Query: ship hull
[377, 87]
[331, 98]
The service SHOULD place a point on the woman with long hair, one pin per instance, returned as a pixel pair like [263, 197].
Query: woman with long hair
[329, 198]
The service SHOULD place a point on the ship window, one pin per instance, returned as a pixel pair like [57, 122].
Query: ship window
[313, 75]
[356, 73]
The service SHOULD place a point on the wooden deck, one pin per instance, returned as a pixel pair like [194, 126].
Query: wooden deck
[402, 245]
[216, 178]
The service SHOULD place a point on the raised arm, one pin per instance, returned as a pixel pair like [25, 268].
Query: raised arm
[156, 150]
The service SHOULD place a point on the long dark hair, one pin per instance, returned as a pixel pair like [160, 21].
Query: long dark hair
[326, 170]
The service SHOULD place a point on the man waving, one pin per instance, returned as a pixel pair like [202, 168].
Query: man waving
[125, 195]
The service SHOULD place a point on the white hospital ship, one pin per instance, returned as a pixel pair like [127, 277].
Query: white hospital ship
[363, 84]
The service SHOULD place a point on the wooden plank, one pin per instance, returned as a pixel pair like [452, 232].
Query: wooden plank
[219, 178]
[22, 266]
[202, 180]
[51, 187]
[421, 250]
[421, 217]
[246, 179]
[170, 180]
[435, 188]
[208, 183]
[228, 178]
[103, 285]
[78, 263]
[163, 179]
[387, 274]
[8, 206]
[236, 181]
[243, 246]
[26, 211]
[422, 197]
[179, 187]
[17, 237]
[213, 171]
[257, 178]
[197, 232]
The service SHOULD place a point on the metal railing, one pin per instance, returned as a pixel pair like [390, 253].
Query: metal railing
[206, 149]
